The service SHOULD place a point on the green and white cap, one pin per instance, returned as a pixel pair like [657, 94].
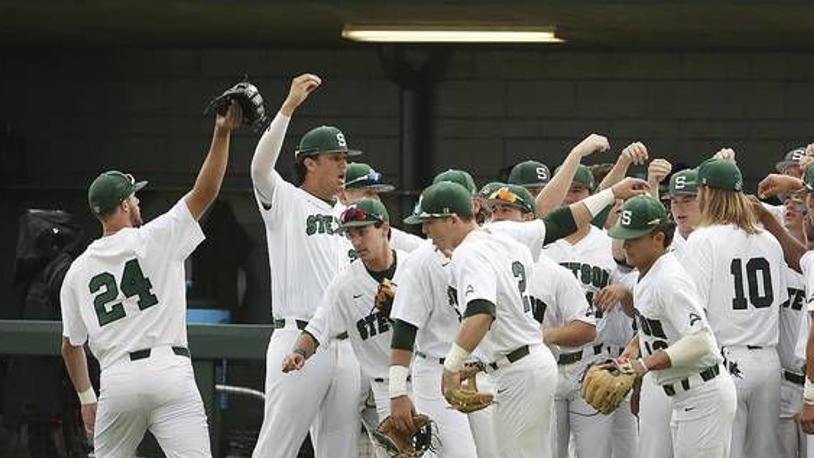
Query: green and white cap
[684, 182]
[720, 174]
[582, 176]
[441, 200]
[640, 216]
[791, 158]
[514, 195]
[323, 140]
[530, 174]
[362, 176]
[364, 212]
[109, 189]
[461, 177]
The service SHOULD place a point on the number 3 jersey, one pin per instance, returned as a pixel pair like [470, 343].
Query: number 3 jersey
[497, 269]
[127, 291]
[668, 308]
[741, 279]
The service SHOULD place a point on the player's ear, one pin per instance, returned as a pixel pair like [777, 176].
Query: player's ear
[310, 163]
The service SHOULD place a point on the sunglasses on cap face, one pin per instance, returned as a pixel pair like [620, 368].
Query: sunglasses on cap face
[355, 214]
[505, 195]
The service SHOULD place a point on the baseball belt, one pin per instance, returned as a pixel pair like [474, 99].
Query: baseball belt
[145, 353]
[512, 357]
[301, 324]
[797, 379]
[706, 375]
[571, 358]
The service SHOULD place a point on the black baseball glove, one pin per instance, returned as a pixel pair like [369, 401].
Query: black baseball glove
[250, 100]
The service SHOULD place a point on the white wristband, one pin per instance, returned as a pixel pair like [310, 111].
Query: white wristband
[398, 381]
[808, 392]
[644, 366]
[454, 361]
[87, 397]
[599, 201]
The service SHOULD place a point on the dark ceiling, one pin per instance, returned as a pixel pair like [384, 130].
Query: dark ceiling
[583, 23]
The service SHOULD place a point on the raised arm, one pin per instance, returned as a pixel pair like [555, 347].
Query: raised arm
[210, 177]
[271, 142]
[635, 153]
[554, 192]
[657, 171]
[793, 250]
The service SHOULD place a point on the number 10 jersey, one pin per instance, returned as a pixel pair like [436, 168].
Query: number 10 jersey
[741, 278]
[127, 291]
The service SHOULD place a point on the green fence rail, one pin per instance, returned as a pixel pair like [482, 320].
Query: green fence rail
[209, 344]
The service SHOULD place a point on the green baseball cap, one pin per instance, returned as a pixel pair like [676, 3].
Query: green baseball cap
[514, 195]
[530, 174]
[640, 216]
[720, 174]
[461, 177]
[582, 176]
[684, 182]
[323, 140]
[791, 158]
[362, 176]
[808, 179]
[109, 189]
[364, 212]
[489, 188]
[441, 200]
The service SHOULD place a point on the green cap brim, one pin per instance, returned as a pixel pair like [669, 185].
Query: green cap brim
[351, 152]
[624, 233]
[503, 202]
[139, 186]
[423, 218]
[683, 193]
[350, 224]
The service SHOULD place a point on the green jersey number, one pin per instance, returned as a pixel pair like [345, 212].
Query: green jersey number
[133, 283]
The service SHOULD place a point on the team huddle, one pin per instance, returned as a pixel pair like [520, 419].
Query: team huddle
[555, 315]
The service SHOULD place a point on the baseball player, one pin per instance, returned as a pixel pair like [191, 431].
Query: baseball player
[362, 181]
[683, 189]
[125, 296]
[676, 341]
[728, 248]
[306, 251]
[532, 175]
[350, 301]
[489, 278]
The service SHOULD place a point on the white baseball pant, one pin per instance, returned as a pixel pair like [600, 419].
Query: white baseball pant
[324, 396]
[702, 418]
[655, 412]
[156, 393]
[524, 391]
[755, 433]
[455, 434]
[792, 437]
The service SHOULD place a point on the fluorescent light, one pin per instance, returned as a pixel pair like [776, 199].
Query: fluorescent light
[404, 34]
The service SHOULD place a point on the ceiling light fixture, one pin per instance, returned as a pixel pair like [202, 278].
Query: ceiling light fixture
[412, 34]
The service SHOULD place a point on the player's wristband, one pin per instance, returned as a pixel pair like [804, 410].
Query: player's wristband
[398, 381]
[644, 366]
[808, 392]
[454, 361]
[87, 397]
[599, 201]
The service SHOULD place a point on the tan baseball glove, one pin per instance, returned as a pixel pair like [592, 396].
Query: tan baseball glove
[606, 385]
[465, 397]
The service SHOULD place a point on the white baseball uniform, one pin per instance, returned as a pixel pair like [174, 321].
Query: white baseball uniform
[495, 268]
[399, 239]
[590, 260]
[423, 301]
[703, 397]
[678, 245]
[793, 321]
[558, 299]
[126, 296]
[305, 253]
[742, 282]
[348, 306]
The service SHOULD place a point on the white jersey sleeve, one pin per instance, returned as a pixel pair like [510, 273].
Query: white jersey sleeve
[475, 280]
[175, 233]
[327, 320]
[72, 325]
[528, 233]
[410, 304]
[807, 268]
[265, 179]
[404, 241]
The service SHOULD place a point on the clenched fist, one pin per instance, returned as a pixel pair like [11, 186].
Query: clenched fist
[301, 87]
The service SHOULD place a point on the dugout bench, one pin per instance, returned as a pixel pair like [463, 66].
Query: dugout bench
[208, 343]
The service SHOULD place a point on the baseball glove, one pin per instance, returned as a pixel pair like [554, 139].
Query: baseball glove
[466, 398]
[606, 385]
[412, 444]
[384, 297]
[250, 100]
